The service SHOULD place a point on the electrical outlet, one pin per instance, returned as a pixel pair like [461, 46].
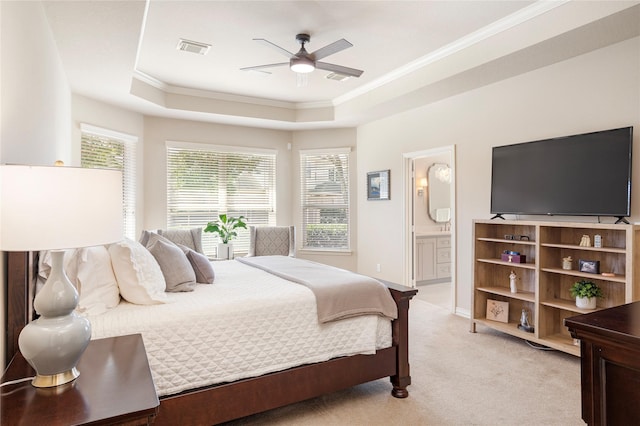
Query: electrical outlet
[377, 267]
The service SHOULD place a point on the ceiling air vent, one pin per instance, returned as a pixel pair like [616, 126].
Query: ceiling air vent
[193, 46]
[336, 76]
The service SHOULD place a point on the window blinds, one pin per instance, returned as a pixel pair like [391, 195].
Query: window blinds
[204, 181]
[105, 149]
[325, 199]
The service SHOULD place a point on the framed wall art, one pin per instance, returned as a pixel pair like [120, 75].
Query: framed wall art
[378, 185]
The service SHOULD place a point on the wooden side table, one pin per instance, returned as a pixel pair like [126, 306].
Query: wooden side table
[115, 387]
[610, 364]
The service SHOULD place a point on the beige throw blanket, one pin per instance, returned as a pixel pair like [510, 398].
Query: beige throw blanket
[339, 293]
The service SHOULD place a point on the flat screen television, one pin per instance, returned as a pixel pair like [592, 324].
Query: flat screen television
[580, 175]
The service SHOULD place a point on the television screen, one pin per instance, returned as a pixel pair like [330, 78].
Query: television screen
[580, 175]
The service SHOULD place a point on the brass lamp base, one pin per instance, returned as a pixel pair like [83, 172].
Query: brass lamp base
[49, 381]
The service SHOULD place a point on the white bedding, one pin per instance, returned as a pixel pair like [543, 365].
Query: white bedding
[247, 323]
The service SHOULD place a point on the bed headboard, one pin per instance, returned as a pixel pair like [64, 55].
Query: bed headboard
[21, 282]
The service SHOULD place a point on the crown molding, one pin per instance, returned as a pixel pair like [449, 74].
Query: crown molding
[534, 10]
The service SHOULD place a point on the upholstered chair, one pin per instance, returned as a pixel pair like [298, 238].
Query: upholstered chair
[272, 240]
[191, 238]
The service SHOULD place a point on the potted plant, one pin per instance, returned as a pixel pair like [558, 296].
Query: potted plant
[586, 293]
[225, 227]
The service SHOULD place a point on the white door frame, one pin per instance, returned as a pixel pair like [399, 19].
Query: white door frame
[409, 189]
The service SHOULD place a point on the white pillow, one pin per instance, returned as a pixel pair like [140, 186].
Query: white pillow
[91, 271]
[139, 276]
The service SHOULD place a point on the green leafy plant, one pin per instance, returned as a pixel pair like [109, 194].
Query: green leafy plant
[585, 288]
[225, 227]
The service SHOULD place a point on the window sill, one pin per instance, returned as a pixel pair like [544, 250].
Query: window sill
[326, 252]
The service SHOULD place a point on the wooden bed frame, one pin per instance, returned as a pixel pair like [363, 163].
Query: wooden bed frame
[248, 396]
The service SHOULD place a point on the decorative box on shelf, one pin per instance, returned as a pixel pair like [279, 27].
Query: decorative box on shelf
[513, 257]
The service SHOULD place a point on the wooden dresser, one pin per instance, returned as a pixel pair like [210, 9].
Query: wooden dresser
[610, 369]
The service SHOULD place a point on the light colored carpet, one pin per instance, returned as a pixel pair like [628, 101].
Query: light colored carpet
[436, 294]
[459, 378]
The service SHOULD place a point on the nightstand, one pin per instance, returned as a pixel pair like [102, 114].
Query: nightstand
[115, 387]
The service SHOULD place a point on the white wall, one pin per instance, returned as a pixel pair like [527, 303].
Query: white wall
[35, 106]
[316, 139]
[595, 91]
[36, 100]
[158, 131]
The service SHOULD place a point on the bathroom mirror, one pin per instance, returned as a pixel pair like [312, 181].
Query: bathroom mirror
[439, 189]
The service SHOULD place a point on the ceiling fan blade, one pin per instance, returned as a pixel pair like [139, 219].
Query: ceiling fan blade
[283, 51]
[330, 49]
[339, 69]
[259, 67]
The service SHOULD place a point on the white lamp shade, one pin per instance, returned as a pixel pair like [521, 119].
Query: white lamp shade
[48, 208]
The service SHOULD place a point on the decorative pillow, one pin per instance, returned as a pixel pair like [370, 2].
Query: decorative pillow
[139, 276]
[201, 265]
[91, 271]
[176, 268]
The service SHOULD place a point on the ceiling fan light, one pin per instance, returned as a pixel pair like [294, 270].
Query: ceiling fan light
[302, 68]
[302, 65]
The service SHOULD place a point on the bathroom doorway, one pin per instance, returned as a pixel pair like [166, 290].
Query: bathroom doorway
[430, 232]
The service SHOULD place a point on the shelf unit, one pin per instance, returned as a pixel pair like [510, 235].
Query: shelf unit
[543, 286]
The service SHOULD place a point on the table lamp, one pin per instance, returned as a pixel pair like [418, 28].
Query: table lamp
[57, 208]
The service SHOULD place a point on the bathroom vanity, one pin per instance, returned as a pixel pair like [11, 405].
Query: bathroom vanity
[433, 257]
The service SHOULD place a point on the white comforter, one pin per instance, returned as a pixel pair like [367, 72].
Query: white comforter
[247, 323]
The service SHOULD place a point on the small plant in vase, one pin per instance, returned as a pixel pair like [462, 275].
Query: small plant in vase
[586, 293]
[225, 227]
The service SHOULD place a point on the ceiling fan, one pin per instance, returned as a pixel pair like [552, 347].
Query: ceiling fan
[304, 62]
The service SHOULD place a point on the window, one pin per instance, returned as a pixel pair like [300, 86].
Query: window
[204, 181]
[325, 199]
[106, 149]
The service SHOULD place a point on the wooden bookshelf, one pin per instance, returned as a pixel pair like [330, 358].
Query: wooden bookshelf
[542, 284]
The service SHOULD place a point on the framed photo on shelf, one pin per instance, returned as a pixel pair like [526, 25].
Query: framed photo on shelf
[497, 310]
[589, 266]
[378, 185]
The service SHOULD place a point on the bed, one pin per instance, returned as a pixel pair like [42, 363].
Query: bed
[272, 386]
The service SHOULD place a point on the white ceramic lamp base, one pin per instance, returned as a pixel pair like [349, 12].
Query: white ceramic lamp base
[53, 343]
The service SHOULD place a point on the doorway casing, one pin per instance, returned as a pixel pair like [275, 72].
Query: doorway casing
[409, 191]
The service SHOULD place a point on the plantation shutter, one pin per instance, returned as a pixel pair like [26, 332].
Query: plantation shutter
[325, 199]
[106, 149]
[204, 181]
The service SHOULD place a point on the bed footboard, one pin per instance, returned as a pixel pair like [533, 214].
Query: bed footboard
[400, 329]
[242, 398]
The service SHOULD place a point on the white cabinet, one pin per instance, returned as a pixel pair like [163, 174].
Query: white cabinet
[426, 259]
[433, 259]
